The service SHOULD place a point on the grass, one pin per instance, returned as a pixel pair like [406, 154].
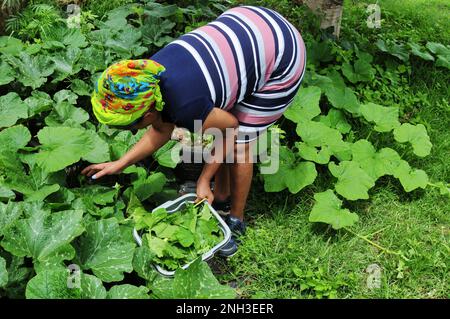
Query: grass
[428, 18]
[282, 239]
[283, 255]
[415, 20]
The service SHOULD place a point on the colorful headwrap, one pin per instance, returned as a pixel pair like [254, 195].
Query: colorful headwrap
[126, 90]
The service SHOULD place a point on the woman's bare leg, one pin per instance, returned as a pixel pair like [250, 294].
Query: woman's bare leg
[222, 183]
[241, 179]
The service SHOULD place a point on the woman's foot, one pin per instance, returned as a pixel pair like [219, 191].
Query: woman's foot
[237, 228]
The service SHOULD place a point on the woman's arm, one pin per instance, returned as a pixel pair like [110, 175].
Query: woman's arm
[155, 137]
[222, 120]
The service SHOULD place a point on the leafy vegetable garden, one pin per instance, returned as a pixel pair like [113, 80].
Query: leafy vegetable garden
[347, 131]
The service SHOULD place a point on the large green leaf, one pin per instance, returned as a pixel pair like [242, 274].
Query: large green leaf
[322, 81]
[86, 204]
[353, 182]
[164, 154]
[13, 174]
[339, 95]
[385, 118]
[144, 188]
[66, 64]
[65, 95]
[100, 149]
[305, 106]
[318, 134]
[33, 70]
[18, 276]
[38, 102]
[126, 43]
[42, 193]
[62, 146]
[442, 52]
[11, 109]
[75, 38]
[375, 164]
[290, 174]
[93, 59]
[37, 184]
[127, 291]
[343, 99]
[443, 61]
[117, 18]
[123, 142]
[142, 263]
[156, 32]
[43, 234]
[66, 114]
[6, 73]
[159, 10]
[196, 282]
[438, 48]
[411, 179]
[361, 71]
[53, 283]
[72, 37]
[320, 52]
[311, 153]
[103, 250]
[80, 87]
[33, 49]
[336, 119]
[15, 137]
[10, 45]
[416, 135]
[417, 50]
[395, 49]
[9, 214]
[89, 197]
[91, 287]
[327, 209]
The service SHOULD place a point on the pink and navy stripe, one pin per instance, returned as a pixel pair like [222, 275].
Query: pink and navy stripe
[250, 61]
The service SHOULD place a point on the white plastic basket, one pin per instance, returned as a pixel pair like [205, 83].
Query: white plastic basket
[176, 205]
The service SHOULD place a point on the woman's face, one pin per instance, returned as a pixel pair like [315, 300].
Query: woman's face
[147, 119]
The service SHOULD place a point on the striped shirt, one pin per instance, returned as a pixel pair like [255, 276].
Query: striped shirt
[249, 61]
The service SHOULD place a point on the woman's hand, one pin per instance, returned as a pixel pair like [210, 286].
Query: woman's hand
[99, 170]
[155, 137]
[204, 191]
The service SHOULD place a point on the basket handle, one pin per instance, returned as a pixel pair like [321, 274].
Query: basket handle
[180, 201]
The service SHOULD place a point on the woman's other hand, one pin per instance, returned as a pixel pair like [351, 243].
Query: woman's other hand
[204, 191]
[99, 170]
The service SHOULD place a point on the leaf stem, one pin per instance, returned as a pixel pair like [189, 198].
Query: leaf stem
[378, 231]
[438, 186]
[200, 202]
[388, 251]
